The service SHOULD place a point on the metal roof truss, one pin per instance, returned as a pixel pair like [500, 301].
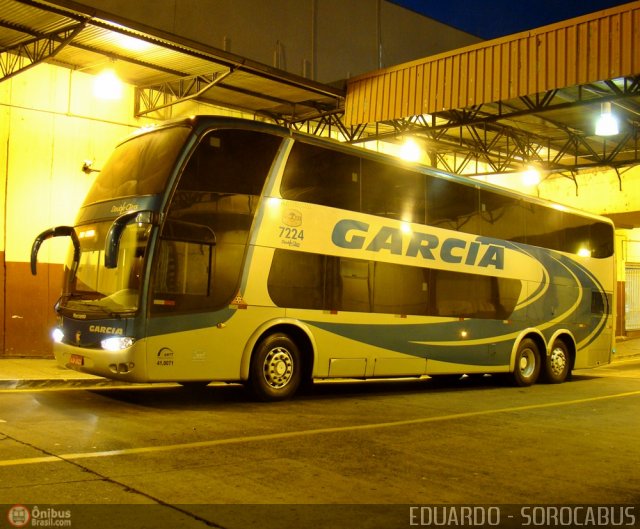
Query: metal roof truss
[165, 70]
[549, 130]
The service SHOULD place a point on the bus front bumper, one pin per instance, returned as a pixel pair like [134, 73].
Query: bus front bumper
[126, 364]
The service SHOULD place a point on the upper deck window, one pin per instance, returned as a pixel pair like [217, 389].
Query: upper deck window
[322, 176]
[139, 166]
[331, 177]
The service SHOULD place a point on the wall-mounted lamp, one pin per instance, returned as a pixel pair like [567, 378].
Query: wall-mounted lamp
[107, 85]
[607, 124]
[87, 169]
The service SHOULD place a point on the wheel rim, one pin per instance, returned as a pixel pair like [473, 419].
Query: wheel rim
[278, 367]
[527, 363]
[557, 361]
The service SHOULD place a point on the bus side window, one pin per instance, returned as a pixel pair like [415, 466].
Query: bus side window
[453, 205]
[322, 176]
[400, 289]
[166, 272]
[462, 295]
[544, 227]
[508, 295]
[597, 303]
[296, 279]
[501, 216]
[451, 295]
[586, 236]
[393, 192]
[355, 284]
[601, 239]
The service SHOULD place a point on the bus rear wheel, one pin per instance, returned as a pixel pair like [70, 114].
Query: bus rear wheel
[527, 363]
[556, 366]
[276, 368]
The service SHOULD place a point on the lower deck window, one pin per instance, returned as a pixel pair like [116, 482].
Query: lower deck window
[314, 281]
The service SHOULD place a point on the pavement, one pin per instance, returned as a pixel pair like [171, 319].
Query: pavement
[36, 373]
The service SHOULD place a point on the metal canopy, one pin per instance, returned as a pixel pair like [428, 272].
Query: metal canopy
[529, 98]
[165, 69]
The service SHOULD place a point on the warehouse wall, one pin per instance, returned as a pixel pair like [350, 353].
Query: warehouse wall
[324, 40]
[50, 123]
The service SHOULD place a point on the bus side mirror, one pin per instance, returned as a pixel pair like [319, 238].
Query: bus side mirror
[59, 231]
[112, 241]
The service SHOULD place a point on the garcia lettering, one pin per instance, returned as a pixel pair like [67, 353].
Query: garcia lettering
[106, 330]
[355, 235]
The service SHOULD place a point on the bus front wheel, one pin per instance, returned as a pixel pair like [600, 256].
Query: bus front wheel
[276, 368]
[527, 363]
[556, 366]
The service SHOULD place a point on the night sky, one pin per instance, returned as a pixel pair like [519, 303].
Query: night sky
[490, 19]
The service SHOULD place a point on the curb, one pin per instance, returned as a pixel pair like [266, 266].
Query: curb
[68, 384]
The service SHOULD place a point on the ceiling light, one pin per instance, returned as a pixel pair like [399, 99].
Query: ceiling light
[107, 85]
[410, 151]
[607, 124]
[531, 177]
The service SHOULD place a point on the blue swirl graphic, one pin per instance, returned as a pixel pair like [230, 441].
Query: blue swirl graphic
[562, 301]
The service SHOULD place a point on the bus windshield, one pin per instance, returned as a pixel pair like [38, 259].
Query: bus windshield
[100, 290]
[139, 166]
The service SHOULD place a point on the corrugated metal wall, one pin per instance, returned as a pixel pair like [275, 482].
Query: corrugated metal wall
[599, 46]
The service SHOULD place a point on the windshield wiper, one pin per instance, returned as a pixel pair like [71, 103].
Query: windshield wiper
[71, 302]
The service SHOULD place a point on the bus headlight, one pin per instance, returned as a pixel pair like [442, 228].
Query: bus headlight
[116, 343]
[57, 335]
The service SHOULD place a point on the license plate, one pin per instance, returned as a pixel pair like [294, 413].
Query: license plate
[76, 360]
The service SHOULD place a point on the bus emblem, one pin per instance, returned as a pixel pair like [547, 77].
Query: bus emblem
[292, 217]
[124, 208]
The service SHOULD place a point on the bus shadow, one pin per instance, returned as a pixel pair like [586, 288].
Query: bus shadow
[404, 386]
[223, 396]
[219, 396]
[408, 386]
[180, 397]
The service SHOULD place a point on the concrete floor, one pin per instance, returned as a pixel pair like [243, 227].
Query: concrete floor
[356, 455]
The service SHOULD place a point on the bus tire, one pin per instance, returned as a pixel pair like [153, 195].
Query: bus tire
[527, 363]
[557, 365]
[276, 368]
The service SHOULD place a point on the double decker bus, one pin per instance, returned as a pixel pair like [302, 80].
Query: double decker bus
[218, 249]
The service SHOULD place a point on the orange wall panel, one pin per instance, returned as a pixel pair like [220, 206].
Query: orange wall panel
[2, 318]
[29, 314]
